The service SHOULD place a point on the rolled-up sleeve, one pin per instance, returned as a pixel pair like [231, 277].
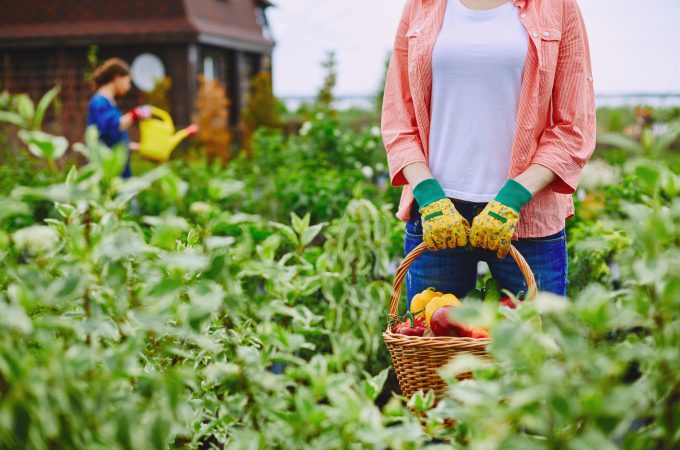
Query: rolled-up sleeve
[398, 120]
[566, 145]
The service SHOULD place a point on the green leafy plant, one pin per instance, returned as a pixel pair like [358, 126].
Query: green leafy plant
[244, 306]
[19, 109]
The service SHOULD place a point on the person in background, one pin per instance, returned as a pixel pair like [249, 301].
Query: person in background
[111, 80]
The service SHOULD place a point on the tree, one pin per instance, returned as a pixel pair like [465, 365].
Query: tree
[325, 98]
[261, 109]
[212, 117]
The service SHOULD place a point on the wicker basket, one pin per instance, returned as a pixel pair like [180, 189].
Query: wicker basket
[415, 358]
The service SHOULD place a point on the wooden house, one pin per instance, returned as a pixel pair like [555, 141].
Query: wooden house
[44, 42]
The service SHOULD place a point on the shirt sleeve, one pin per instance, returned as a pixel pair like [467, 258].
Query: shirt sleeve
[398, 120]
[566, 146]
[107, 119]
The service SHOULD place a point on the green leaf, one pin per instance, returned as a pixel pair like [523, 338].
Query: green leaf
[620, 141]
[113, 161]
[475, 293]
[25, 107]
[267, 250]
[373, 386]
[64, 193]
[11, 208]
[310, 233]
[13, 118]
[13, 317]
[422, 402]
[463, 363]
[175, 388]
[650, 176]
[591, 438]
[44, 145]
[286, 231]
[219, 189]
[299, 225]
[120, 245]
[160, 431]
[72, 175]
[492, 291]
[123, 431]
[215, 242]
[43, 104]
[66, 210]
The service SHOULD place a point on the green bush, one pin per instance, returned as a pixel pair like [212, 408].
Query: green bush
[243, 308]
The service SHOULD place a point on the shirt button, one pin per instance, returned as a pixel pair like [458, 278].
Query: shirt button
[523, 15]
[590, 78]
[534, 34]
[546, 34]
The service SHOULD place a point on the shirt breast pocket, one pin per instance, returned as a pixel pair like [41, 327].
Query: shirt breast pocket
[551, 39]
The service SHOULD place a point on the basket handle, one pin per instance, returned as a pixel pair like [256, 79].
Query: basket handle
[421, 248]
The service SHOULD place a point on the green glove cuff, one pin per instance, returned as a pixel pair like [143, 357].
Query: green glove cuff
[428, 191]
[513, 195]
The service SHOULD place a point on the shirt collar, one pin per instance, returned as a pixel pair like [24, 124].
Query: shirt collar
[519, 3]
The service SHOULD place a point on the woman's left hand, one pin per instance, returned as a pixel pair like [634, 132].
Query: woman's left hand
[494, 227]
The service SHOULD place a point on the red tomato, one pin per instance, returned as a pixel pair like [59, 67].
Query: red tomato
[507, 301]
[405, 327]
[408, 331]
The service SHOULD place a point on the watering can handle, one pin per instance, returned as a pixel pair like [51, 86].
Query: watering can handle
[161, 114]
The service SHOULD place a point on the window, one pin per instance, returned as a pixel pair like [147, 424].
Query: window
[209, 68]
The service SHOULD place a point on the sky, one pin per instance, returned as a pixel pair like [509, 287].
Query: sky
[634, 44]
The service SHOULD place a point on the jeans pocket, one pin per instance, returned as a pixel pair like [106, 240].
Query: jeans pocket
[414, 227]
[560, 236]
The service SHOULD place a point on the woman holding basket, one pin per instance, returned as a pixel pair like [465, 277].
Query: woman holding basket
[488, 118]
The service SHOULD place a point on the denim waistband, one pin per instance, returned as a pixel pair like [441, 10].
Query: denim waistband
[461, 205]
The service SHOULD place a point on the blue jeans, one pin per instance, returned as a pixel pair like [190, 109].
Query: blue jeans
[454, 270]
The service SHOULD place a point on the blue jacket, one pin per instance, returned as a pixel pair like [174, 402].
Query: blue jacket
[105, 114]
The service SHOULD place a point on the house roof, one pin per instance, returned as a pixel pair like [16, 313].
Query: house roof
[229, 23]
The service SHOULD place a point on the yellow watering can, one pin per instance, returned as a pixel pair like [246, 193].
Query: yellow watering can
[158, 137]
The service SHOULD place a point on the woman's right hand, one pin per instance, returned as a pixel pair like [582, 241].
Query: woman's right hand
[443, 226]
[141, 112]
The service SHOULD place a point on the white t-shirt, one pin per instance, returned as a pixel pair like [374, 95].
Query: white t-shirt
[477, 67]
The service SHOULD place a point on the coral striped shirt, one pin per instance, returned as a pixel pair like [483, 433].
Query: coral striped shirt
[555, 124]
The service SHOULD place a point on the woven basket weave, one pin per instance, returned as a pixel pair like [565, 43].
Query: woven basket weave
[415, 358]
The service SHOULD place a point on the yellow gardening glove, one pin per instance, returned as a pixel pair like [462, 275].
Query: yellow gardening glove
[443, 226]
[494, 227]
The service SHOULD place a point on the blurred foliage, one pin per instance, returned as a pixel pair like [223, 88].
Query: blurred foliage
[157, 331]
[325, 97]
[259, 110]
[92, 63]
[159, 96]
[196, 306]
[212, 118]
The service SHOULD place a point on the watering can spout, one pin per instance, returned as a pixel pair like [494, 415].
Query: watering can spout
[182, 134]
[158, 136]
